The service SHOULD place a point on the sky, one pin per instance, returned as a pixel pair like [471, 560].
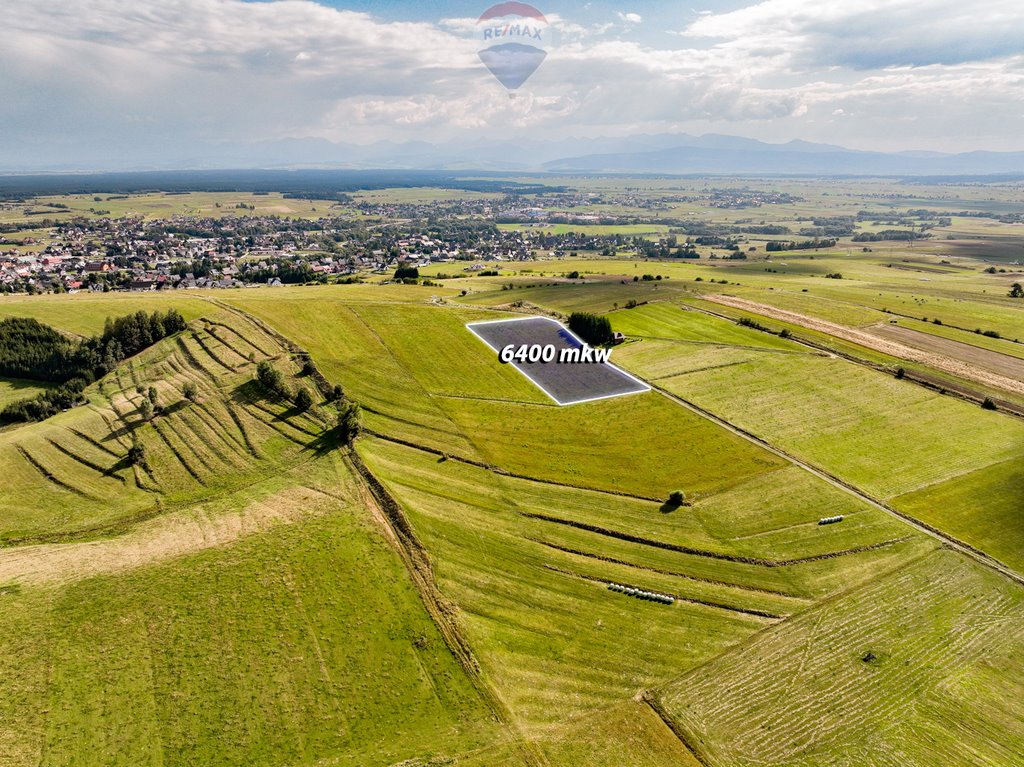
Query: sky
[86, 79]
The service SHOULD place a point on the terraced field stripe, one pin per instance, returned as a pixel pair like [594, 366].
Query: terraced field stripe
[242, 429]
[660, 571]
[504, 472]
[193, 362]
[177, 454]
[736, 558]
[51, 477]
[105, 472]
[238, 335]
[94, 442]
[209, 352]
[678, 597]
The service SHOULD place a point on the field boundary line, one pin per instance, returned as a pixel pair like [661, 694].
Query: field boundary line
[705, 553]
[949, 387]
[443, 613]
[649, 699]
[670, 573]
[753, 612]
[940, 362]
[504, 472]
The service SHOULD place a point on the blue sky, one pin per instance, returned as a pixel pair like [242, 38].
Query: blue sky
[184, 78]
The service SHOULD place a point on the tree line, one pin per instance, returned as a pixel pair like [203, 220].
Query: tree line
[592, 328]
[31, 350]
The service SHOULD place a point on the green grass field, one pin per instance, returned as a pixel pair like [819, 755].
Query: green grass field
[14, 389]
[943, 637]
[294, 643]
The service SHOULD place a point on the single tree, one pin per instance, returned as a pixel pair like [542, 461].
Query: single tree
[303, 399]
[676, 498]
[146, 410]
[137, 455]
[152, 395]
[349, 422]
[190, 391]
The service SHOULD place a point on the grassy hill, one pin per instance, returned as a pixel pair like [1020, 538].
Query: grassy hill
[256, 594]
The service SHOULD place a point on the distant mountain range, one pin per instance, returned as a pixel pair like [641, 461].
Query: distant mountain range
[657, 153]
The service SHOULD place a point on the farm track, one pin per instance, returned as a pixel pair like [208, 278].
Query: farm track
[678, 597]
[734, 558]
[941, 362]
[936, 383]
[946, 539]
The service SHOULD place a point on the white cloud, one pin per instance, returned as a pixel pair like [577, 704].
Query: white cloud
[129, 74]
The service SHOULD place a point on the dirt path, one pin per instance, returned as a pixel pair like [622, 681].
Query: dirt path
[893, 348]
[991, 361]
[168, 537]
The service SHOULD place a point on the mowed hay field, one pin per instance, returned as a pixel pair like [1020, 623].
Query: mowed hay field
[886, 436]
[920, 667]
[529, 564]
[13, 389]
[84, 313]
[983, 507]
[944, 461]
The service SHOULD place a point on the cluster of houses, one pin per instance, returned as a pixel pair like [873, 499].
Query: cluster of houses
[183, 252]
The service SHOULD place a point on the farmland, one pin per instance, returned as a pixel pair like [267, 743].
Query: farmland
[832, 527]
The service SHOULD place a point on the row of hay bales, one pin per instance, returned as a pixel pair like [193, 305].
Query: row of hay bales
[830, 520]
[650, 596]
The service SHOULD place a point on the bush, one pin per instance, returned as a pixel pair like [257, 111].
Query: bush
[303, 399]
[900, 373]
[988, 404]
[676, 498]
[137, 455]
[190, 391]
[349, 422]
[271, 379]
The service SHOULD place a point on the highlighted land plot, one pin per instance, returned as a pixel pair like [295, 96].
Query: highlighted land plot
[569, 373]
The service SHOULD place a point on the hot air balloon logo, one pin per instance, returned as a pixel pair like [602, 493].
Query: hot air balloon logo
[512, 41]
